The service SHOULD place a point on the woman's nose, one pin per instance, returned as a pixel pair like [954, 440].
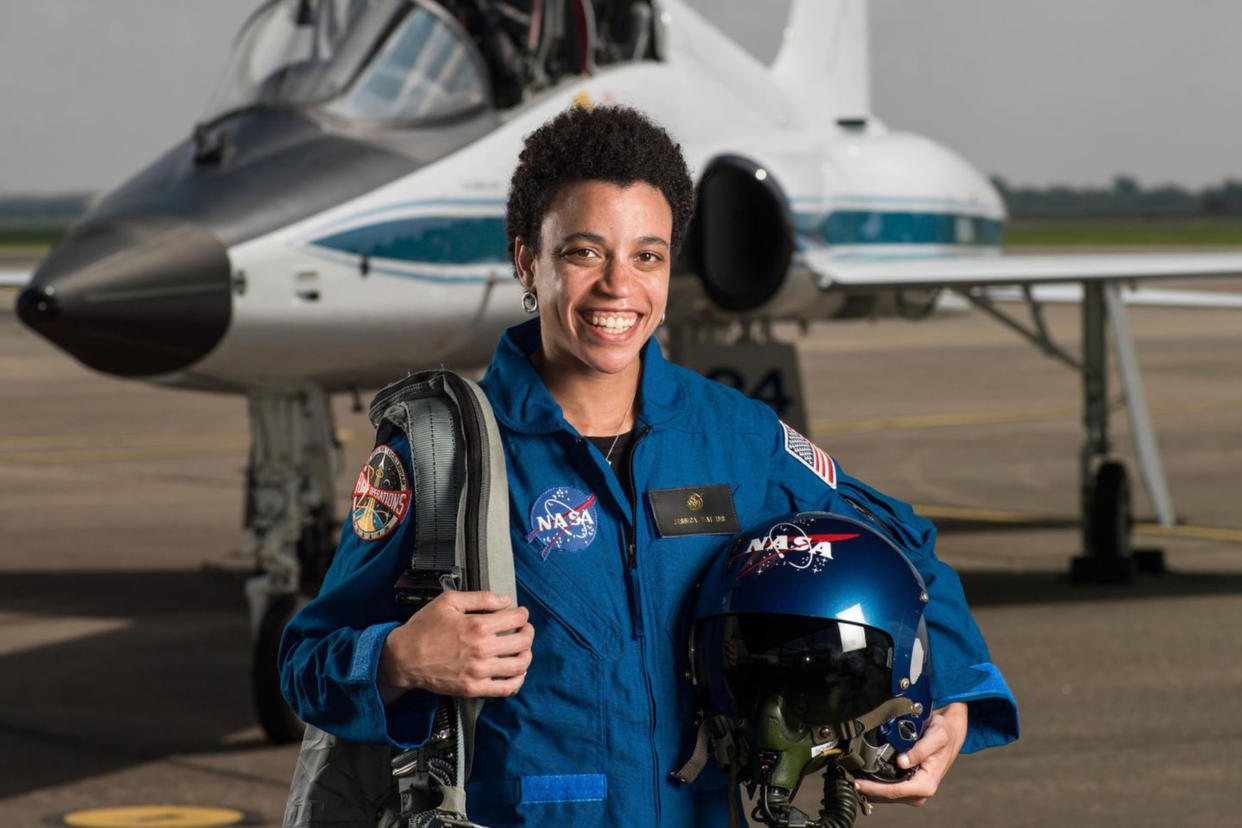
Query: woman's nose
[618, 277]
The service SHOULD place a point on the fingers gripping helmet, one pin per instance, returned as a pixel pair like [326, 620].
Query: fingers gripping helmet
[809, 641]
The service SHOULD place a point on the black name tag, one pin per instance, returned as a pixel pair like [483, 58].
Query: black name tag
[694, 510]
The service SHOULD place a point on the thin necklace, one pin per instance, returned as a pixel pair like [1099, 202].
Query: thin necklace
[624, 417]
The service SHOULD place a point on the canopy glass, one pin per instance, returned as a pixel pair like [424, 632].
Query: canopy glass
[361, 60]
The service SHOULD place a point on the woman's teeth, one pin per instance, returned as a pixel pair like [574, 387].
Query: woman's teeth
[609, 322]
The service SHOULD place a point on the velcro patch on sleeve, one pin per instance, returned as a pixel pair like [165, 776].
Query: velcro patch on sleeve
[810, 455]
[382, 495]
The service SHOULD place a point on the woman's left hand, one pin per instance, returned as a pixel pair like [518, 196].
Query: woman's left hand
[931, 757]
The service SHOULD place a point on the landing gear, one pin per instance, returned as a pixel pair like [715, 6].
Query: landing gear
[1107, 517]
[1107, 524]
[291, 531]
[1108, 554]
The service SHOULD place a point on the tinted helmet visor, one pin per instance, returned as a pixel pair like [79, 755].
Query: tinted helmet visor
[826, 670]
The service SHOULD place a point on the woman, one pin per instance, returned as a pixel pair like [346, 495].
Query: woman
[594, 709]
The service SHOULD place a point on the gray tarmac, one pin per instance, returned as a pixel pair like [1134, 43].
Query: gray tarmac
[124, 644]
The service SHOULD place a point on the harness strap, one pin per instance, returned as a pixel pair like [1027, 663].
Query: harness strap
[461, 541]
[853, 728]
[430, 779]
[693, 766]
[712, 730]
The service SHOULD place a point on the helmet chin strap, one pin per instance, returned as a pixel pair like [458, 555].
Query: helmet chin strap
[858, 754]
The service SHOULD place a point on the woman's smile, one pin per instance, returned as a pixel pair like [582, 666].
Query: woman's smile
[610, 322]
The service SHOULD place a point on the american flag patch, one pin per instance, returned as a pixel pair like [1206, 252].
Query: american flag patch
[811, 456]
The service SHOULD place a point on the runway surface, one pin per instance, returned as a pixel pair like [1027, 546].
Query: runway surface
[124, 660]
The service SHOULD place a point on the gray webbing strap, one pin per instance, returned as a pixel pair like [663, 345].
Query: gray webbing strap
[693, 766]
[461, 541]
[457, 457]
[853, 728]
[437, 470]
[461, 516]
[714, 732]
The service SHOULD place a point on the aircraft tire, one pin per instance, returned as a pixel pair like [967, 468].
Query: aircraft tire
[1112, 517]
[275, 717]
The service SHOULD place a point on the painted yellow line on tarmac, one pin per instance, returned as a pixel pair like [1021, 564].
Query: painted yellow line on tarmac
[960, 418]
[43, 451]
[120, 454]
[828, 425]
[1220, 533]
[154, 816]
[999, 516]
[983, 515]
[105, 448]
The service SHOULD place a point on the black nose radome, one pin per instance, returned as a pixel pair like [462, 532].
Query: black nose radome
[132, 295]
[37, 305]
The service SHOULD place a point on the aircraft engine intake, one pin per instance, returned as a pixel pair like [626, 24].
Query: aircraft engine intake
[741, 239]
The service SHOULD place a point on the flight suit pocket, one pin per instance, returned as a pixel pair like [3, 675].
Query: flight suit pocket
[540, 754]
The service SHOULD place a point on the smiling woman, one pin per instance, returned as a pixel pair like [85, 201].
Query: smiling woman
[627, 477]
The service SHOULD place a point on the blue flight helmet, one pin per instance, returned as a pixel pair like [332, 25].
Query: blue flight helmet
[809, 650]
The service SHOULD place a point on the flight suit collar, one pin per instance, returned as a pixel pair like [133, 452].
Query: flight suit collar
[522, 402]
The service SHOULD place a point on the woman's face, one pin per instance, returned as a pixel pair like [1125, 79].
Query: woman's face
[601, 274]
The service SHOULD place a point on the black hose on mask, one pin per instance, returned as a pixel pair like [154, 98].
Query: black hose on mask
[839, 807]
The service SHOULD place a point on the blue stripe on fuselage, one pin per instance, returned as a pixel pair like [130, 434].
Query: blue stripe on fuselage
[899, 227]
[480, 239]
[452, 240]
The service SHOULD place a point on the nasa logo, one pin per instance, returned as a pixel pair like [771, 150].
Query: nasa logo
[381, 495]
[562, 519]
[788, 544]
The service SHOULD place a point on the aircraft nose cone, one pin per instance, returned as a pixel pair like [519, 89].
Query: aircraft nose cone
[133, 295]
[37, 305]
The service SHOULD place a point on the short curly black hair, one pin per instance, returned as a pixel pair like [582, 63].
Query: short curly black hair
[605, 143]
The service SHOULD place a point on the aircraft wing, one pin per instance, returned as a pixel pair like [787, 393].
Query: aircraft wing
[871, 272]
[14, 278]
[1136, 297]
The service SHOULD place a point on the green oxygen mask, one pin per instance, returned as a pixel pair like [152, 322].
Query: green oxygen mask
[782, 747]
[784, 752]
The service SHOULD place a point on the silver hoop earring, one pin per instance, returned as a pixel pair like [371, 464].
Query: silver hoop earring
[530, 302]
[663, 316]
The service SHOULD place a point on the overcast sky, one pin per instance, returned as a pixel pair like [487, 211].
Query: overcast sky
[1038, 91]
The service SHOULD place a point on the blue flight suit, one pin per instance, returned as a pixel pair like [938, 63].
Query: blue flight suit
[606, 711]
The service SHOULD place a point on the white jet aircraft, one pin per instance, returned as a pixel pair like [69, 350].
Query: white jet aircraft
[337, 219]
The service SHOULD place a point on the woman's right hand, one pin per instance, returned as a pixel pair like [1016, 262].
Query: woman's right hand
[459, 644]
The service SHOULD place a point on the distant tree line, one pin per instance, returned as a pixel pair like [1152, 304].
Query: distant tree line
[22, 211]
[1126, 197]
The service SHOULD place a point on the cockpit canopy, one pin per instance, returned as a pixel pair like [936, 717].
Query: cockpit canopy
[369, 60]
[417, 61]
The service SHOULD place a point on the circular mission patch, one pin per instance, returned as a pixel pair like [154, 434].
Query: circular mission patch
[381, 495]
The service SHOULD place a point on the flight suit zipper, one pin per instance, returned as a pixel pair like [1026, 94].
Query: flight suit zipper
[636, 611]
[631, 546]
[629, 553]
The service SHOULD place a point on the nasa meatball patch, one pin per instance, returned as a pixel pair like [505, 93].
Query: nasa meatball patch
[562, 519]
[381, 495]
[811, 456]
